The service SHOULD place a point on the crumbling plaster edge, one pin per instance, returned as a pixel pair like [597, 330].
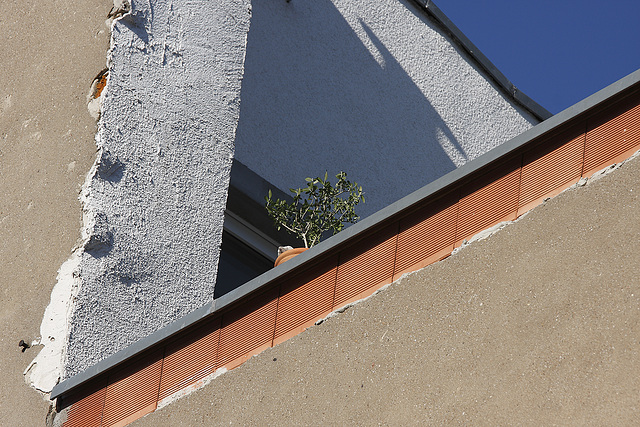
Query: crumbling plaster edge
[46, 369]
[191, 388]
[43, 373]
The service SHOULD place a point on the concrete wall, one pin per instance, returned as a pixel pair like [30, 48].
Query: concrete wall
[370, 87]
[154, 200]
[46, 148]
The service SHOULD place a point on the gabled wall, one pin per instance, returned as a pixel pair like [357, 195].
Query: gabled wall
[374, 88]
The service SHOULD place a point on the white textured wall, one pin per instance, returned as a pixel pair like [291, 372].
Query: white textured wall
[154, 204]
[371, 87]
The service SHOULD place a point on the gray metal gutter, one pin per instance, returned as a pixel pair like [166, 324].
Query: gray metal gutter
[351, 232]
[500, 79]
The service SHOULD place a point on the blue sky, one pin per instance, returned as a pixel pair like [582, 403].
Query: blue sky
[557, 52]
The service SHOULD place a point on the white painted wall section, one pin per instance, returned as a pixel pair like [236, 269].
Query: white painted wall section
[371, 87]
[155, 200]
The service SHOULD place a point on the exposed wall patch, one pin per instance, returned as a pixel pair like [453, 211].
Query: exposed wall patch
[153, 202]
[44, 371]
[96, 91]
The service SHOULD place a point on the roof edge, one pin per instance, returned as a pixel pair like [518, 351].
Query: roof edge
[485, 64]
[133, 350]
[354, 231]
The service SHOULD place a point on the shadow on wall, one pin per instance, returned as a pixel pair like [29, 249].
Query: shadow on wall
[315, 97]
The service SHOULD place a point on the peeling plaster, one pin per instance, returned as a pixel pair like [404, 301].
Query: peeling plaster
[96, 93]
[43, 373]
[153, 202]
[191, 388]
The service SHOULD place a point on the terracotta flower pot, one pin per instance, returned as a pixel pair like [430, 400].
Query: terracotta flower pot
[287, 255]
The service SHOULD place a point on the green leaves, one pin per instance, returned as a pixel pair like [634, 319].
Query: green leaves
[317, 208]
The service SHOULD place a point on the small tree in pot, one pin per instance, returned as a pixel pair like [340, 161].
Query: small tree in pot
[316, 208]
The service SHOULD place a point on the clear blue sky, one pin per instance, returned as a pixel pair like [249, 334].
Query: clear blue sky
[557, 52]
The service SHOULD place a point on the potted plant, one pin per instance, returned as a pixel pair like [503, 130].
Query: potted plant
[318, 208]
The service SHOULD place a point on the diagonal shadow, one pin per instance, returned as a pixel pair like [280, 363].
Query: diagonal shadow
[393, 68]
[315, 98]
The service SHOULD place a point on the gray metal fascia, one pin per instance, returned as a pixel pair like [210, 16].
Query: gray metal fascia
[131, 351]
[529, 104]
[351, 232]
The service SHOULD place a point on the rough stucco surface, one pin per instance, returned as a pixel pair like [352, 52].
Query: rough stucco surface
[370, 87]
[154, 203]
[46, 148]
[537, 325]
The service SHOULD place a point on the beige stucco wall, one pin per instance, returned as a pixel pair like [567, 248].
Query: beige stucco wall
[537, 325]
[49, 53]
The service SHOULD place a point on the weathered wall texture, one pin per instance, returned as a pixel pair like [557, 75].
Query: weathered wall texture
[155, 200]
[370, 87]
[537, 325]
[46, 148]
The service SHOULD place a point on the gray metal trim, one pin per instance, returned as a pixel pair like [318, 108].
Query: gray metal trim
[582, 107]
[251, 236]
[501, 80]
[131, 351]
